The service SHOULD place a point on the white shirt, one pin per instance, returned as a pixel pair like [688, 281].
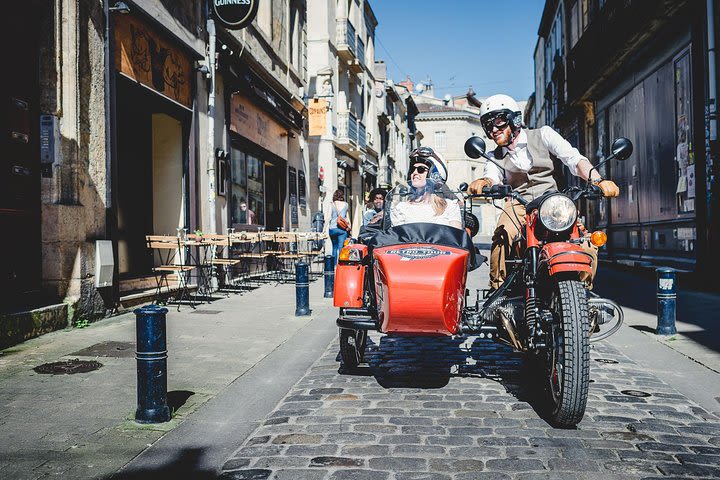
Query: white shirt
[423, 212]
[522, 159]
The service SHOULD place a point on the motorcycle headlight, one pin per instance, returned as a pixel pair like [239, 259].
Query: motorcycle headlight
[557, 213]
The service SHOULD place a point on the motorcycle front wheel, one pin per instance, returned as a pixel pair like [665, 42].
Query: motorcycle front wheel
[567, 356]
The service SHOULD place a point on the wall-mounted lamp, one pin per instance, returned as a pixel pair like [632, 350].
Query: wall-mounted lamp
[120, 7]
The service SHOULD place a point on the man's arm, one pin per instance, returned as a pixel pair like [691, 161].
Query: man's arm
[577, 163]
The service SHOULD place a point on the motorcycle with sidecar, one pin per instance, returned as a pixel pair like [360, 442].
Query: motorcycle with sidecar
[410, 279]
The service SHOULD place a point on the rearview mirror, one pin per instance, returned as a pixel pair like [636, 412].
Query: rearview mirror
[621, 148]
[475, 147]
[463, 187]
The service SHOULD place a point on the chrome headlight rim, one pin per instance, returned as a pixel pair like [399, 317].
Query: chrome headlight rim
[566, 223]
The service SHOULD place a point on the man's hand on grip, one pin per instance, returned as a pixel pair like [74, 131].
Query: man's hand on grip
[477, 185]
[608, 187]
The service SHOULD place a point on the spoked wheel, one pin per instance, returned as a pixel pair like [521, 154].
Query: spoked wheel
[567, 357]
[352, 346]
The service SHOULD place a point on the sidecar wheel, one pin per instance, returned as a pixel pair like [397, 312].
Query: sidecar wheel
[567, 355]
[352, 346]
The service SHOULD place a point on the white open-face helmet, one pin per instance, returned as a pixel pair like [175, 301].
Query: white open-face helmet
[500, 106]
[438, 171]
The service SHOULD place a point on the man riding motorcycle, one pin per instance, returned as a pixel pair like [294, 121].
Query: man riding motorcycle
[527, 156]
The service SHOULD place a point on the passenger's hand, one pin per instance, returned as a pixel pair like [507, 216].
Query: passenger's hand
[477, 185]
[608, 187]
[376, 218]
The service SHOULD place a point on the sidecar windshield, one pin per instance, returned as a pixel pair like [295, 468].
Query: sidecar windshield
[438, 205]
[424, 227]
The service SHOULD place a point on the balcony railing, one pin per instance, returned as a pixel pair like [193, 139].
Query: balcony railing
[350, 131]
[360, 52]
[346, 39]
[362, 135]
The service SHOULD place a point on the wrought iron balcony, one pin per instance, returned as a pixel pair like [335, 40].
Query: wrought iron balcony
[347, 129]
[346, 40]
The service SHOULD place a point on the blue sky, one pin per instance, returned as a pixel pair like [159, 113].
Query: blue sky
[488, 44]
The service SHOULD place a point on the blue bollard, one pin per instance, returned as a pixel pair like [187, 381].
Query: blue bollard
[302, 289]
[151, 358]
[329, 274]
[667, 301]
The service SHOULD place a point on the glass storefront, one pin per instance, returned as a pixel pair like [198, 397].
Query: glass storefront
[247, 190]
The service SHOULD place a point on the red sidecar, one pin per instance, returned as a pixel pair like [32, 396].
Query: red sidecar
[408, 280]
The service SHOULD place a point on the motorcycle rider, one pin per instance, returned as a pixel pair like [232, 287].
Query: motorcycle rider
[528, 157]
[426, 201]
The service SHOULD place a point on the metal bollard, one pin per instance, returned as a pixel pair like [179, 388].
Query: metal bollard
[666, 298]
[329, 274]
[302, 289]
[151, 357]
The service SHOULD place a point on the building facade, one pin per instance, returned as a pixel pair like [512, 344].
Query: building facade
[641, 70]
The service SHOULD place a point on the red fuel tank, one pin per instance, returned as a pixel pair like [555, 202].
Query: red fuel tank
[420, 288]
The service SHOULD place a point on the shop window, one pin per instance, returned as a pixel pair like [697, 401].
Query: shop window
[256, 187]
[684, 149]
[238, 188]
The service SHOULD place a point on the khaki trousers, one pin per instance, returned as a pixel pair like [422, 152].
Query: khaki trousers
[510, 223]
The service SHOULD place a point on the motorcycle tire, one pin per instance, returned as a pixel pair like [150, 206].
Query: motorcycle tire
[352, 346]
[567, 356]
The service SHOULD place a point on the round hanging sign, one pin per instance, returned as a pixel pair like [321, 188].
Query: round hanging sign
[235, 14]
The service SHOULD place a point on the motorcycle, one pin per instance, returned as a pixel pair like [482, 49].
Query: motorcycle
[409, 279]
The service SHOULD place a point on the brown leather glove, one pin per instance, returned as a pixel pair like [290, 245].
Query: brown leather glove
[608, 187]
[477, 185]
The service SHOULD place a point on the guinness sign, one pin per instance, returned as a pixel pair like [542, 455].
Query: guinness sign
[235, 14]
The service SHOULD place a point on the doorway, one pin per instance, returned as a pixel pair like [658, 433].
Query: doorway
[152, 179]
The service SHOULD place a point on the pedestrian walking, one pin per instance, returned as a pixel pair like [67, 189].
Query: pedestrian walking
[339, 224]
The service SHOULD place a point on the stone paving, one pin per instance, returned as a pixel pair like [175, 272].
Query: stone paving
[429, 408]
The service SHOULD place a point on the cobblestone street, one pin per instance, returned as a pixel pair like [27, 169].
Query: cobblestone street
[428, 408]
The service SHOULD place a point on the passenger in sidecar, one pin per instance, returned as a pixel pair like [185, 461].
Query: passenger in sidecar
[409, 276]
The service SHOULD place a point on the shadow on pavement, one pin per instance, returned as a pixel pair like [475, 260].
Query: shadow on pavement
[636, 289]
[185, 464]
[430, 363]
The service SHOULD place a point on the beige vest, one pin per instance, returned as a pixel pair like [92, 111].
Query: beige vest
[542, 175]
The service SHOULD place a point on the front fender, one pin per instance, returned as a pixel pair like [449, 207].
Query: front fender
[349, 282]
[560, 257]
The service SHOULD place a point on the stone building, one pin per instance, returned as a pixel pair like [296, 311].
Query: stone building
[644, 70]
[344, 138]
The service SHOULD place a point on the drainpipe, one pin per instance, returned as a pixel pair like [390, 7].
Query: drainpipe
[711, 145]
[712, 72]
[211, 126]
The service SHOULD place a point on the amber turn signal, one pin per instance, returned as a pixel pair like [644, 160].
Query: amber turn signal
[598, 238]
[349, 255]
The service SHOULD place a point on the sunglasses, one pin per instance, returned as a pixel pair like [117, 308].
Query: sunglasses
[490, 126]
[420, 169]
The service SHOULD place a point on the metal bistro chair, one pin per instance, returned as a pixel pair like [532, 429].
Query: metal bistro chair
[288, 255]
[310, 250]
[248, 249]
[220, 262]
[169, 252]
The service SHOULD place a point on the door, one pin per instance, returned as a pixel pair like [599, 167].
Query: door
[20, 267]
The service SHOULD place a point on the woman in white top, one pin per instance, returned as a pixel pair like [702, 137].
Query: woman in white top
[424, 205]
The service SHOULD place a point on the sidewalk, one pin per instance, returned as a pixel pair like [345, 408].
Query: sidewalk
[81, 426]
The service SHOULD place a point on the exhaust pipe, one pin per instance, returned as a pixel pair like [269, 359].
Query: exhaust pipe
[509, 327]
